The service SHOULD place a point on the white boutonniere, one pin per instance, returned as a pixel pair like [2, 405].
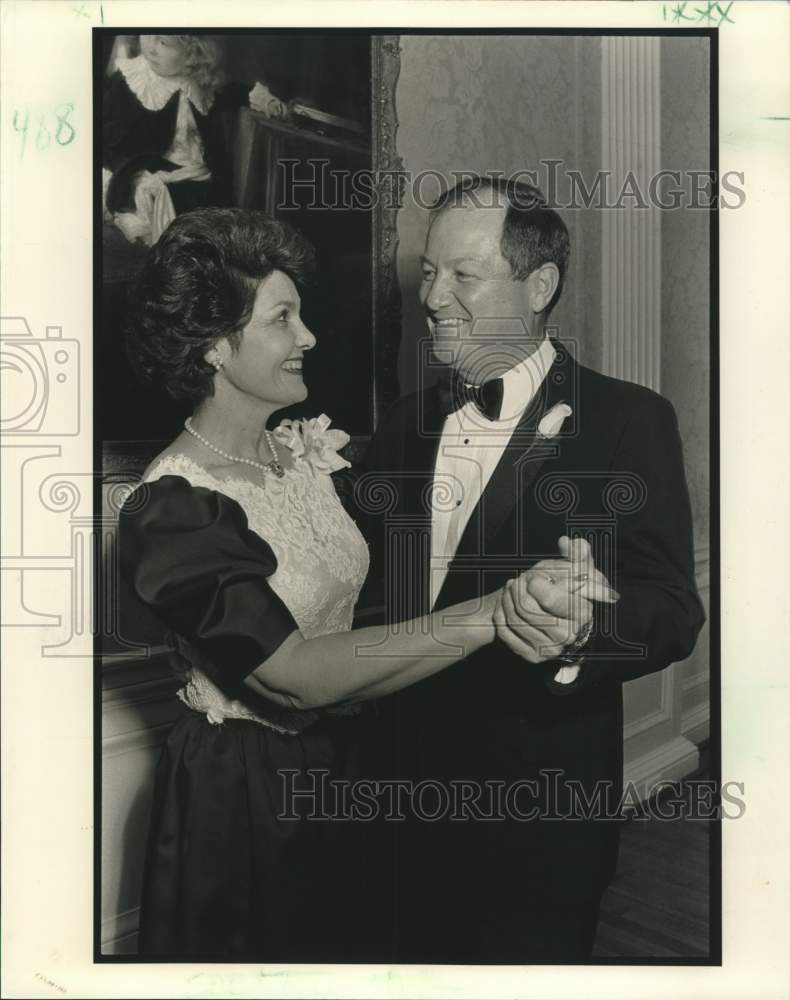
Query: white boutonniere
[551, 422]
[313, 442]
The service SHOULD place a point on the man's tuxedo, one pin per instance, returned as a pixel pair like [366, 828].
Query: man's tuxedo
[484, 890]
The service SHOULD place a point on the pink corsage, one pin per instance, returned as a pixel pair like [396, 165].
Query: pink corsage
[313, 442]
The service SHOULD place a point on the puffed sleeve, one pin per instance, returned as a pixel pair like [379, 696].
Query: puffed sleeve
[189, 555]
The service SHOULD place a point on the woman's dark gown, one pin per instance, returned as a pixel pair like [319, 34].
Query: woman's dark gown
[233, 567]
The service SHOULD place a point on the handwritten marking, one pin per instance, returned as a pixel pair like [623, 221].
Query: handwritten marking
[58, 119]
[23, 130]
[49, 982]
[80, 10]
[240, 984]
[714, 12]
[63, 122]
[235, 984]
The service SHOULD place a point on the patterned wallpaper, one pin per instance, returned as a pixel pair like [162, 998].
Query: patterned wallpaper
[685, 262]
[484, 103]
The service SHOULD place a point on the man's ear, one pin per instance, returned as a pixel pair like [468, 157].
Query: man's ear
[543, 283]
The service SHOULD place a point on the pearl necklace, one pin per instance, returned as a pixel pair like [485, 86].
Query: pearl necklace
[274, 466]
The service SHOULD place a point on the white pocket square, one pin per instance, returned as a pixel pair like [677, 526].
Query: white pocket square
[552, 421]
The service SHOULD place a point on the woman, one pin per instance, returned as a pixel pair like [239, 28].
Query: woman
[238, 542]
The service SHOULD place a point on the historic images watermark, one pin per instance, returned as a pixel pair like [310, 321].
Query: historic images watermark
[41, 381]
[313, 184]
[59, 567]
[39, 419]
[311, 795]
[586, 503]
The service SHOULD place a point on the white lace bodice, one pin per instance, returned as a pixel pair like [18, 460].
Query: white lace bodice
[322, 561]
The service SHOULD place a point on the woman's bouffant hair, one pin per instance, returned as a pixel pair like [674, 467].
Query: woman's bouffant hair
[202, 60]
[198, 286]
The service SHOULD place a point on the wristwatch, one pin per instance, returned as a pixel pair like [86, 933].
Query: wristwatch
[573, 653]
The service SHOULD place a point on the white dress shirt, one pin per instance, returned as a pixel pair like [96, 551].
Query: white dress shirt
[469, 450]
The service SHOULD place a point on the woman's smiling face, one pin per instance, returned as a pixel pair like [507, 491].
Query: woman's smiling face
[267, 363]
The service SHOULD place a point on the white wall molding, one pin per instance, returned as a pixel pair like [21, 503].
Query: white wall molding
[139, 704]
[695, 723]
[120, 925]
[702, 566]
[696, 680]
[631, 235]
[153, 689]
[119, 933]
[115, 665]
[662, 714]
[669, 725]
[136, 739]
[670, 761]
[121, 946]
[701, 677]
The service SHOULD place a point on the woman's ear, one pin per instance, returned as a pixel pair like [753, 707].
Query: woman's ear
[544, 282]
[215, 357]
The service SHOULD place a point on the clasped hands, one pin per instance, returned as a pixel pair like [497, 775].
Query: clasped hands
[541, 614]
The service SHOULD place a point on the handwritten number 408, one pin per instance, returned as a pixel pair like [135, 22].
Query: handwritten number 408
[48, 128]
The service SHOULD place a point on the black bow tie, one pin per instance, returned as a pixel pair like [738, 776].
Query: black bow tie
[455, 393]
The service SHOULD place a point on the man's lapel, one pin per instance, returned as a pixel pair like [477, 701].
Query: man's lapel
[522, 460]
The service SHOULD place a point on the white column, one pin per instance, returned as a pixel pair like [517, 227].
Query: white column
[631, 271]
[655, 746]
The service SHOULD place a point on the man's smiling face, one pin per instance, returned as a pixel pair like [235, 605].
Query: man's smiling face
[479, 316]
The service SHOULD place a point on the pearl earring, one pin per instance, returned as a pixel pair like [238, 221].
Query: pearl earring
[217, 362]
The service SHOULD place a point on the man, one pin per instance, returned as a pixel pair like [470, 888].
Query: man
[488, 473]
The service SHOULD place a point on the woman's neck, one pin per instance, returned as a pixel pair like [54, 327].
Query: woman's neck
[236, 428]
